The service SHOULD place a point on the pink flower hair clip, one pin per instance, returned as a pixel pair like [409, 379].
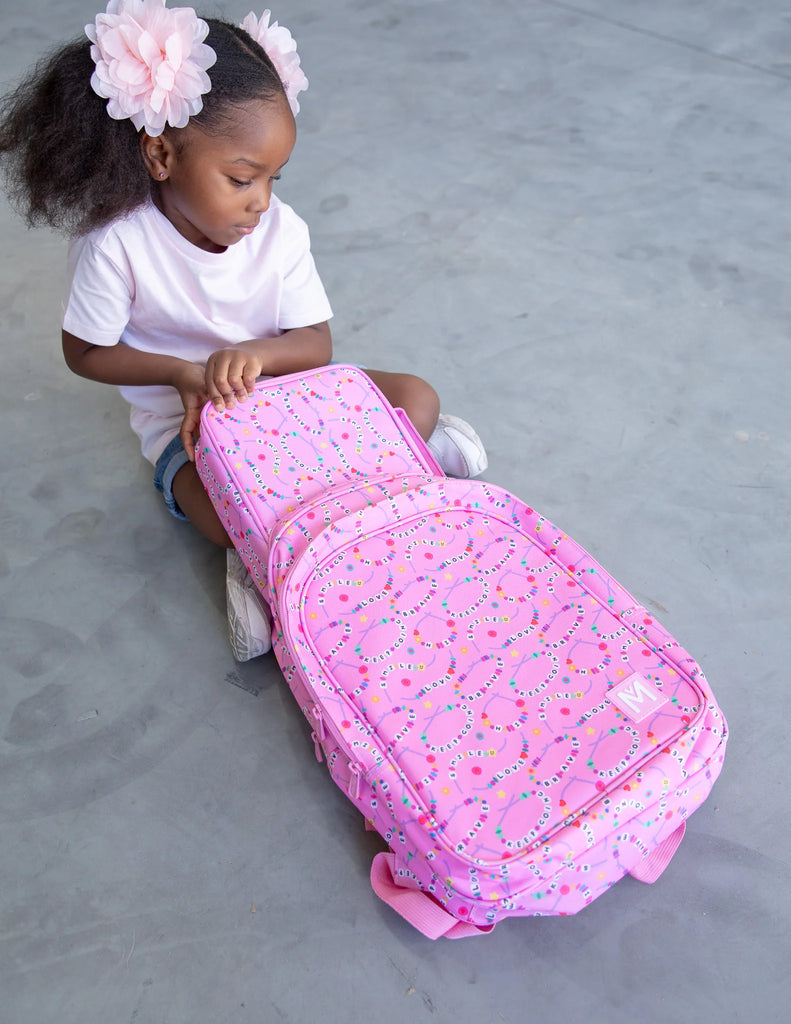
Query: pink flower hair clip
[277, 42]
[150, 62]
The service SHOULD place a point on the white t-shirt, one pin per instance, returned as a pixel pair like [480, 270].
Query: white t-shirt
[139, 282]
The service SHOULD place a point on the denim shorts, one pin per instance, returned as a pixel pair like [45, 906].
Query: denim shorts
[168, 464]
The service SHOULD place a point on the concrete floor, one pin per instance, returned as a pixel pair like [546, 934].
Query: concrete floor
[573, 219]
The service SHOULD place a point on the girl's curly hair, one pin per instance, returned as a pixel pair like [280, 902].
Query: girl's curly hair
[68, 164]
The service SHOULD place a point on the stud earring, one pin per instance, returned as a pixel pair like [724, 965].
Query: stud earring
[161, 175]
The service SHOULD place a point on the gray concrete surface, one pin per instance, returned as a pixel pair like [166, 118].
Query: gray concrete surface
[574, 220]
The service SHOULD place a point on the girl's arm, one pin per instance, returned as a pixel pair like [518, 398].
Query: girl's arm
[120, 364]
[229, 375]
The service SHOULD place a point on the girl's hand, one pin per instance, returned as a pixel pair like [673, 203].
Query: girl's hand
[231, 374]
[190, 382]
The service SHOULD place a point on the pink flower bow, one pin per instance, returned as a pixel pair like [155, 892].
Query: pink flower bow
[281, 49]
[150, 62]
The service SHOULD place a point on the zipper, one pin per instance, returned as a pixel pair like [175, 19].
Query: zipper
[357, 769]
[320, 735]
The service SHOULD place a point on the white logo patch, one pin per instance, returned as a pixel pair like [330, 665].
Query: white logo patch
[636, 697]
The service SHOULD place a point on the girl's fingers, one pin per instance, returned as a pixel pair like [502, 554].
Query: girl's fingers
[219, 390]
[227, 380]
[187, 433]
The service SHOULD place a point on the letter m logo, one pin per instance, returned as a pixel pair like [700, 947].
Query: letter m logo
[636, 697]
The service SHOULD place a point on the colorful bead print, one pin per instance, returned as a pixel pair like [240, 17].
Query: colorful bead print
[465, 650]
[519, 730]
[296, 437]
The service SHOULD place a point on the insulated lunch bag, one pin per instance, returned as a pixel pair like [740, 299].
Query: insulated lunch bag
[518, 729]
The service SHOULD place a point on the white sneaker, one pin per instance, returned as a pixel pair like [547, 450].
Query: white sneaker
[457, 448]
[249, 628]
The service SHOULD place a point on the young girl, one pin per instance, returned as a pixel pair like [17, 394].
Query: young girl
[188, 279]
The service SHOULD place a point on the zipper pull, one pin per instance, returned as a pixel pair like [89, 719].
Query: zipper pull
[318, 718]
[317, 746]
[356, 772]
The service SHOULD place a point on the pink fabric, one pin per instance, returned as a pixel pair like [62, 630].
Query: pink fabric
[461, 650]
[515, 725]
[300, 435]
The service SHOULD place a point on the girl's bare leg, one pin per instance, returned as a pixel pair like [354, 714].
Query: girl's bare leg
[196, 505]
[414, 395]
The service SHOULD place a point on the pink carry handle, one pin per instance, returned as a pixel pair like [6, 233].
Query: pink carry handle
[410, 430]
[652, 866]
[425, 914]
[416, 907]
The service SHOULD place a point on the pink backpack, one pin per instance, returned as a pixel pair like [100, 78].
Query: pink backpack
[517, 728]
